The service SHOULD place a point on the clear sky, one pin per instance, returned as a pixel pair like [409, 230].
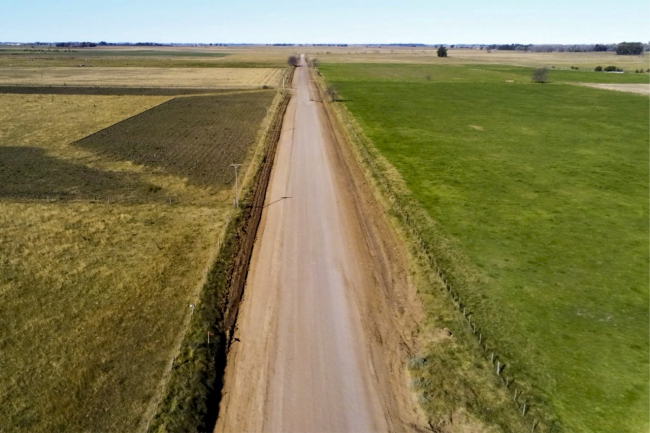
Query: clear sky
[330, 21]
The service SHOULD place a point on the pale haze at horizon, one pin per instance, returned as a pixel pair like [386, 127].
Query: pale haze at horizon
[335, 21]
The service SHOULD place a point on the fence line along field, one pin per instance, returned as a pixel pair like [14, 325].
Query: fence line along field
[537, 204]
[142, 77]
[94, 292]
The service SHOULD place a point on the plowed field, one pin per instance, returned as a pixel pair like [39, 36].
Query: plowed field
[195, 137]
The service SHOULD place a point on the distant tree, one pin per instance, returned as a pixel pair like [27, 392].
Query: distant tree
[539, 75]
[598, 68]
[629, 48]
[611, 69]
[600, 47]
[442, 51]
[293, 60]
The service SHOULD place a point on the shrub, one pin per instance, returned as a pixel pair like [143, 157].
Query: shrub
[598, 68]
[611, 69]
[293, 60]
[442, 51]
[332, 93]
[539, 75]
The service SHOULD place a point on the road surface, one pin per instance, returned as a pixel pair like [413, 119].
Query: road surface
[316, 347]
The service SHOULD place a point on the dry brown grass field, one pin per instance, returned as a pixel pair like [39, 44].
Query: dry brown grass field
[168, 57]
[142, 77]
[470, 56]
[97, 265]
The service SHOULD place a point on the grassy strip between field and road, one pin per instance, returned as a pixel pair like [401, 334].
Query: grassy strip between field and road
[100, 256]
[533, 200]
[193, 391]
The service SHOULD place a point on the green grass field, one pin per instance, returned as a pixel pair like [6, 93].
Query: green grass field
[545, 189]
[412, 73]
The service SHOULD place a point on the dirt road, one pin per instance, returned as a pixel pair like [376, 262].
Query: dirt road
[323, 327]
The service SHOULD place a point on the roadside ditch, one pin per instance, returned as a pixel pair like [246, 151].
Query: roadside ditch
[190, 400]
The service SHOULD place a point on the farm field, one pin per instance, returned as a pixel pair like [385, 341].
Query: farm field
[93, 52]
[425, 73]
[184, 144]
[154, 57]
[108, 91]
[141, 77]
[404, 55]
[539, 197]
[100, 255]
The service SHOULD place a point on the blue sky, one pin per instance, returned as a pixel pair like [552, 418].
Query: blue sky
[331, 21]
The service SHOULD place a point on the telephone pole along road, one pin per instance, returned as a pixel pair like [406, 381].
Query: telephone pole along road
[323, 322]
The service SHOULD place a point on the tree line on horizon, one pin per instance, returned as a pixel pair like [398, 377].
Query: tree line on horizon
[623, 48]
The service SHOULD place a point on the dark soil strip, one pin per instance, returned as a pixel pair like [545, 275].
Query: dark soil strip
[191, 401]
[195, 137]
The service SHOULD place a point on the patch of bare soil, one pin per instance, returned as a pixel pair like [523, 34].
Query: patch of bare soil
[195, 137]
[643, 89]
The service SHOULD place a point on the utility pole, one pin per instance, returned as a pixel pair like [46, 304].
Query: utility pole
[236, 166]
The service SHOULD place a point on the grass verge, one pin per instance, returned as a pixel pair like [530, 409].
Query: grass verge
[192, 394]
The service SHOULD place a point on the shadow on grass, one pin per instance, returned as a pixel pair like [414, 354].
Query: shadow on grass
[29, 173]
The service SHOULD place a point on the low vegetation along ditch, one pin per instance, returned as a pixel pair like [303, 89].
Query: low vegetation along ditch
[530, 202]
[192, 395]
